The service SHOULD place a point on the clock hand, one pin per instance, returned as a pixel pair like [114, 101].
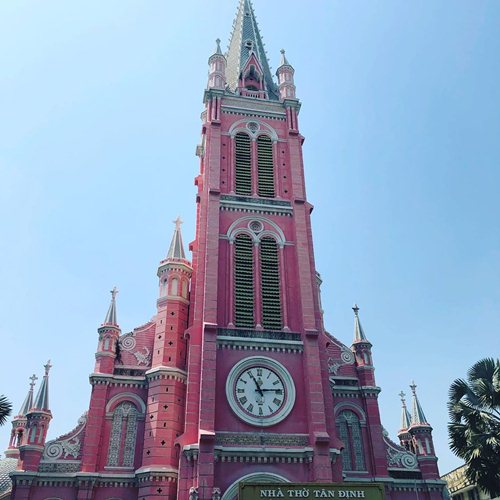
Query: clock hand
[267, 390]
[256, 384]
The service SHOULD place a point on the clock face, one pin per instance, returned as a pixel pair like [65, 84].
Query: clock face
[260, 391]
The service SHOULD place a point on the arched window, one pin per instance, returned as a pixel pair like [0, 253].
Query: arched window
[174, 286]
[265, 166]
[349, 430]
[123, 436]
[243, 281]
[270, 284]
[243, 164]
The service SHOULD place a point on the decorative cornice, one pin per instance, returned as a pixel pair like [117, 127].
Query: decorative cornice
[166, 372]
[263, 456]
[234, 203]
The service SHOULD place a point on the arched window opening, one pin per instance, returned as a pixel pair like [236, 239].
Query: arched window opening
[243, 281]
[123, 436]
[349, 429]
[174, 287]
[243, 164]
[270, 284]
[265, 166]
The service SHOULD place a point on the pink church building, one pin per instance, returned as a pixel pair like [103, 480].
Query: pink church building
[235, 378]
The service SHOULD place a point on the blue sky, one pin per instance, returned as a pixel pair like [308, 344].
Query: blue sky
[100, 105]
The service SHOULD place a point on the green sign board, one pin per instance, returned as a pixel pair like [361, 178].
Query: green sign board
[254, 491]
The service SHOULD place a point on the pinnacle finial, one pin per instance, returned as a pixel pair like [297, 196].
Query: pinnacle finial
[176, 250]
[42, 398]
[28, 401]
[218, 49]
[33, 379]
[359, 334]
[417, 414]
[178, 222]
[405, 415]
[402, 395]
[47, 367]
[110, 318]
[284, 60]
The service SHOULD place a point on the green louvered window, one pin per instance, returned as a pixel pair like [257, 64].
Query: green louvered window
[349, 429]
[243, 281]
[270, 284]
[243, 164]
[265, 166]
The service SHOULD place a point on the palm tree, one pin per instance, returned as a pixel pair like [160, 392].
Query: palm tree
[474, 430]
[5, 409]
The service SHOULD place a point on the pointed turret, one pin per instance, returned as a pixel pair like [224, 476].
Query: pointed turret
[110, 318]
[109, 331]
[246, 58]
[359, 334]
[285, 74]
[405, 438]
[37, 425]
[42, 398]
[361, 347]
[217, 69]
[19, 422]
[405, 414]
[417, 414]
[28, 400]
[176, 249]
[421, 435]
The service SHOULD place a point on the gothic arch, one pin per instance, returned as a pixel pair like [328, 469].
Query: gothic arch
[345, 405]
[262, 129]
[238, 226]
[256, 477]
[126, 396]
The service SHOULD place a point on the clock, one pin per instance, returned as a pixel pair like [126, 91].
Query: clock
[260, 391]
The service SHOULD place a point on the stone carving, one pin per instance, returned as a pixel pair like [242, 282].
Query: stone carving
[399, 457]
[143, 358]
[68, 445]
[346, 358]
[59, 466]
[216, 494]
[127, 342]
[193, 493]
[124, 411]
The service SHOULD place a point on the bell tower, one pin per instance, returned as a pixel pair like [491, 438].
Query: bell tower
[258, 400]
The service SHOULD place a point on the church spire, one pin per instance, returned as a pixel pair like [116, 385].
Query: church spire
[42, 398]
[405, 414]
[246, 41]
[110, 318]
[176, 250]
[28, 401]
[359, 334]
[417, 414]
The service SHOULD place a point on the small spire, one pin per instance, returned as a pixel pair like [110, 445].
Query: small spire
[417, 414]
[110, 318]
[359, 334]
[218, 49]
[284, 60]
[405, 414]
[42, 398]
[176, 250]
[28, 401]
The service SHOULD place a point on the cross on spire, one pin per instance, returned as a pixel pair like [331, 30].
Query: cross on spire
[47, 367]
[33, 379]
[114, 293]
[402, 396]
[179, 221]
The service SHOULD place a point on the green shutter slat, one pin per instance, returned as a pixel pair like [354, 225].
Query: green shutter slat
[243, 164]
[243, 282]
[270, 285]
[265, 167]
